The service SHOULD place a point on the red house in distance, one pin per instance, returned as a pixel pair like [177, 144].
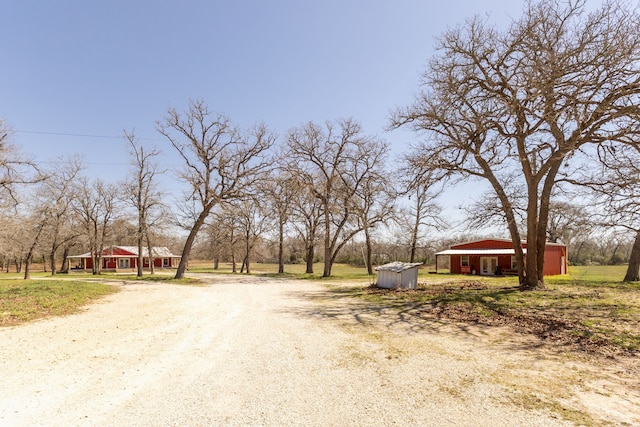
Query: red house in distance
[490, 256]
[126, 257]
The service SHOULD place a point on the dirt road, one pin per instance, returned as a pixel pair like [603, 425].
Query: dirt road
[263, 352]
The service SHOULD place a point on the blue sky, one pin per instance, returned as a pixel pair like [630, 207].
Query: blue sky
[94, 68]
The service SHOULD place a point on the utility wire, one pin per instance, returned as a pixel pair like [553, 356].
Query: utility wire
[82, 135]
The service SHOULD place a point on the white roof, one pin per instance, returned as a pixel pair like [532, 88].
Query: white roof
[158, 252]
[397, 266]
[479, 252]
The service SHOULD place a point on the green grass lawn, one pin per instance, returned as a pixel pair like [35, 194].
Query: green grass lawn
[297, 271]
[25, 300]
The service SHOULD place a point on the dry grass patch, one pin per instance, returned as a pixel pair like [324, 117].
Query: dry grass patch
[593, 316]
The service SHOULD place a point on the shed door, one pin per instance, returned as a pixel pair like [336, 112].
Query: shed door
[488, 265]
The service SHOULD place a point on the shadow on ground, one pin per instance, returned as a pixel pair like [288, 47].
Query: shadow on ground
[529, 330]
[408, 318]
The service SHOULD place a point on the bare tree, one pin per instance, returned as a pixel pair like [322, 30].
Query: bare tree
[279, 192]
[566, 222]
[216, 238]
[96, 206]
[307, 220]
[516, 104]
[15, 168]
[143, 195]
[36, 224]
[48, 207]
[422, 188]
[58, 193]
[425, 213]
[375, 197]
[220, 162]
[252, 223]
[615, 188]
[334, 163]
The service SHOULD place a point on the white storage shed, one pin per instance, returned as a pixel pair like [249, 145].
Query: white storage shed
[403, 275]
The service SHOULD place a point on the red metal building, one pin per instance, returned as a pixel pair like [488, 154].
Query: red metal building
[488, 256]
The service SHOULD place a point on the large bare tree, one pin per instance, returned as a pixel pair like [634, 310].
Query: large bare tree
[58, 193]
[375, 197]
[253, 224]
[96, 204]
[143, 194]
[307, 220]
[220, 161]
[334, 162]
[514, 105]
[421, 187]
[280, 192]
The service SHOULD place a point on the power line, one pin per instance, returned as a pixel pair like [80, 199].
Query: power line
[81, 135]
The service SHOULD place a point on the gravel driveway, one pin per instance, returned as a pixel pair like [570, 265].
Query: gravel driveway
[245, 351]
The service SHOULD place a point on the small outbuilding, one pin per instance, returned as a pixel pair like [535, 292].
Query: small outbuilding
[403, 275]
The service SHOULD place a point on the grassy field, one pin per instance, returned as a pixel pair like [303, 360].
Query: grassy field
[297, 271]
[25, 300]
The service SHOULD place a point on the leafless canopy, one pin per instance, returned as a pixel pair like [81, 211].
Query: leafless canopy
[341, 168]
[220, 161]
[516, 104]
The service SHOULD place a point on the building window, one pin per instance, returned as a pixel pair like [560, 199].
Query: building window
[514, 263]
[165, 262]
[464, 260]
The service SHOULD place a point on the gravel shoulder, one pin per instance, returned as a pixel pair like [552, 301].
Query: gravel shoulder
[247, 351]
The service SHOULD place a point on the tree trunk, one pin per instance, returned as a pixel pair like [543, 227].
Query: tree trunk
[247, 251]
[633, 269]
[216, 263]
[189, 243]
[281, 248]
[414, 238]
[311, 253]
[140, 255]
[29, 260]
[328, 264]
[532, 280]
[369, 254]
[64, 268]
[27, 266]
[52, 262]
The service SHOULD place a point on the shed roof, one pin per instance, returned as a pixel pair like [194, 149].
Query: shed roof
[397, 266]
[479, 252]
[499, 239]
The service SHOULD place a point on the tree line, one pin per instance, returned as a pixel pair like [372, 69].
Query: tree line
[546, 112]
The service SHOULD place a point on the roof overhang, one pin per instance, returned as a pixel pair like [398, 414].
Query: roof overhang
[479, 252]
